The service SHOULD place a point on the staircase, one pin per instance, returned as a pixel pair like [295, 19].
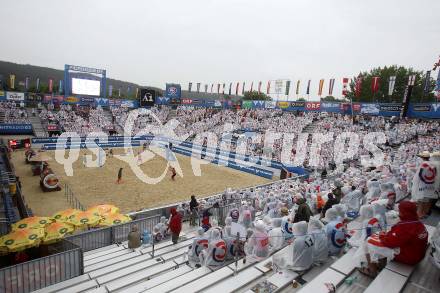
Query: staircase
[309, 128]
[108, 114]
[172, 114]
[2, 117]
[39, 129]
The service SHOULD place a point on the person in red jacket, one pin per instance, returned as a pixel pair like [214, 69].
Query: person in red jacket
[409, 235]
[175, 225]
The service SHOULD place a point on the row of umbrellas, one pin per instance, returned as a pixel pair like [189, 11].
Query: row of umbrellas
[32, 231]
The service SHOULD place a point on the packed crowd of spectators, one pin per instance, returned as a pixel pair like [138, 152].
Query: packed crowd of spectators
[13, 113]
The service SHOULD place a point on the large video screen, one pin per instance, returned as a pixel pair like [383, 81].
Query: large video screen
[86, 87]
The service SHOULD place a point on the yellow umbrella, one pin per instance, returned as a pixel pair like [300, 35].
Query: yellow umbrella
[55, 231]
[3, 248]
[21, 239]
[84, 218]
[31, 222]
[65, 215]
[114, 219]
[104, 209]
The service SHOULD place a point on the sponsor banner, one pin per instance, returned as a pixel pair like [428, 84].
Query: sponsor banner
[356, 107]
[2, 95]
[186, 101]
[52, 127]
[129, 103]
[270, 104]
[297, 104]
[67, 100]
[14, 96]
[283, 105]
[87, 100]
[162, 100]
[390, 107]
[330, 107]
[246, 104]
[196, 101]
[421, 108]
[16, 128]
[258, 104]
[103, 102]
[147, 98]
[114, 102]
[370, 109]
[31, 97]
[84, 69]
[217, 103]
[313, 106]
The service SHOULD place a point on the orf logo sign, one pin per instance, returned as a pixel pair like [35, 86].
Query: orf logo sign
[313, 106]
[186, 101]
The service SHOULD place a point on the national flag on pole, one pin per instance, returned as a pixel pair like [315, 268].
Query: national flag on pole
[12, 81]
[259, 87]
[268, 88]
[212, 86]
[206, 88]
[358, 86]
[427, 85]
[412, 79]
[391, 84]
[218, 88]
[223, 89]
[38, 84]
[119, 92]
[331, 86]
[236, 88]
[297, 87]
[60, 86]
[308, 87]
[375, 84]
[26, 83]
[437, 83]
[50, 85]
[345, 86]
[321, 85]
[242, 89]
[128, 89]
[287, 87]
[252, 86]
[230, 88]
[198, 87]
[110, 90]
[190, 86]
[137, 92]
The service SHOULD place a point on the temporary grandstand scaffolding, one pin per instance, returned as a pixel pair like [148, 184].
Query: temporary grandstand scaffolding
[73, 201]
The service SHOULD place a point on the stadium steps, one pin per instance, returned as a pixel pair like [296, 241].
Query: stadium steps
[37, 125]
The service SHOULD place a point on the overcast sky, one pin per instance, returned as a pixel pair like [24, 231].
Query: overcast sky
[152, 42]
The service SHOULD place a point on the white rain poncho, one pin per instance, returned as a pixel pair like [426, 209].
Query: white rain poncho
[268, 222]
[353, 202]
[373, 190]
[234, 213]
[200, 243]
[341, 210]
[435, 247]
[387, 192]
[335, 230]
[370, 225]
[257, 246]
[273, 210]
[380, 211]
[215, 254]
[245, 216]
[320, 247]
[299, 255]
[286, 227]
[276, 237]
[424, 182]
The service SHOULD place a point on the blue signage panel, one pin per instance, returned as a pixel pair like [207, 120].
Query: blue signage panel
[16, 129]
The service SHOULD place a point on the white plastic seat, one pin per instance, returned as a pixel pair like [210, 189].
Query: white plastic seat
[162, 278]
[63, 285]
[98, 250]
[106, 257]
[139, 276]
[236, 282]
[317, 285]
[146, 259]
[181, 280]
[111, 261]
[101, 252]
[205, 281]
[82, 287]
[387, 281]
[345, 264]
[282, 279]
[174, 254]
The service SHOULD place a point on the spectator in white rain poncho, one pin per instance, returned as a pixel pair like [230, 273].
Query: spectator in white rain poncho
[320, 248]
[370, 225]
[245, 216]
[286, 226]
[276, 238]
[215, 254]
[373, 190]
[335, 230]
[353, 202]
[299, 254]
[200, 243]
[423, 189]
[258, 244]
[435, 247]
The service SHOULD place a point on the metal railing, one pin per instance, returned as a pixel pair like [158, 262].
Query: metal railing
[73, 201]
[42, 272]
[98, 238]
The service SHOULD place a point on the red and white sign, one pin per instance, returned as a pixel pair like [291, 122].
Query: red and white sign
[356, 107]
[186, 101]
[313, 106]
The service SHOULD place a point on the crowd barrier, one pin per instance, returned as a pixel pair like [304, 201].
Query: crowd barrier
[42, 272]
[98, 238]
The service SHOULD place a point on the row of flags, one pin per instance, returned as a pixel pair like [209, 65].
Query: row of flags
[236, 88]
[51, 82]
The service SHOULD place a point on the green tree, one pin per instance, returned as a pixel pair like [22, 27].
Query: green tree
[402, 74]
[301, 100]
[256, 96]
[331, 99]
